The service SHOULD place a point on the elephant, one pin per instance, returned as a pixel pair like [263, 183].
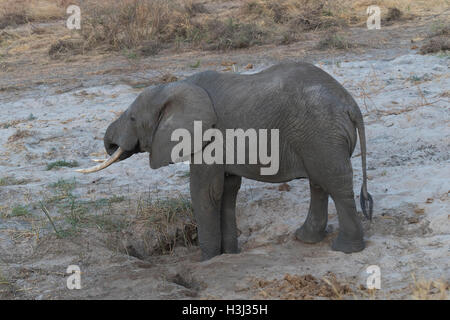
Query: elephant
[318, 122]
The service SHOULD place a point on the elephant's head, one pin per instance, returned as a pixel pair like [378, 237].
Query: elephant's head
[148, 123]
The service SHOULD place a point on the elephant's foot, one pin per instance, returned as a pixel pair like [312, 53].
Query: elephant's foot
[209, 251]
[347, 246]
[207, 256]
[226, 250]
[230, 245]
[231, 251]
[307, 235]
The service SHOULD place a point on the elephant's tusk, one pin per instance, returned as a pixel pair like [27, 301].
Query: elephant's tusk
[99, 160]
[103, 165]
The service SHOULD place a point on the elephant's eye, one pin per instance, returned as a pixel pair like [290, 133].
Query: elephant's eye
[132, 118]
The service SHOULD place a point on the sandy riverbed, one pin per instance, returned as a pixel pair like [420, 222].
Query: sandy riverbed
[405, 101]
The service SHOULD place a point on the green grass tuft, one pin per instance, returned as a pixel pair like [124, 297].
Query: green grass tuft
[335, 41]
[11, 181]
[62, 163]
[19, 211]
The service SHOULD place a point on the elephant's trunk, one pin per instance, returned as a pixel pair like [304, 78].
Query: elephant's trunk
[114, 157]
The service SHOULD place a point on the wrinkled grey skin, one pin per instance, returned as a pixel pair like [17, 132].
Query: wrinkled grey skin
[317, 121]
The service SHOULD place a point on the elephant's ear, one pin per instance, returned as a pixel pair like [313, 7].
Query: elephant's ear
[184, 104]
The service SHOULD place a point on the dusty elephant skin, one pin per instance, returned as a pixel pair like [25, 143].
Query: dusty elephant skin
[317, 121]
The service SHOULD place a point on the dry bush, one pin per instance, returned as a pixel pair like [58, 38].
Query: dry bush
[299, 15]
[150, 47]
[440, 28]
[145, 27]
[149, 25]
[232, 34]
[334, 41]
[288, 20]
[13, 14]
[127, 23]
[393, 14]
[429, 290]
[438, 38]
[192, 8]
[63, 48]
[392, 11]
[435, 45]
[120, 24]
[152, 24]
[17, 12]
[160, 226]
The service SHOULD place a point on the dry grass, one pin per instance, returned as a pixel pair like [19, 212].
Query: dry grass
[392, 10]
[18, 135]
[438, 38]
[300, 15]
[157, 227]
[145, 27]
[11, 181]
[17, 12]
[7, 288]
[334, 40]
[174, 26]
[429, 290]
[152, 24]
[304, 287]
[62, 48]
[169, 220]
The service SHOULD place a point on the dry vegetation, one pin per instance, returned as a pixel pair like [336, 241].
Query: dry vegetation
[308, 287]
[17, 12]
[158, 227]
[180, 23]
[305, 287]
[423, 289]
[438, 38]
[140, 227]
[149, 26]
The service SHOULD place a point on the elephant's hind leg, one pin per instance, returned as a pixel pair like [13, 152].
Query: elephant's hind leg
[228, 226]
[313, 229]
[333, 172]
[350, 236]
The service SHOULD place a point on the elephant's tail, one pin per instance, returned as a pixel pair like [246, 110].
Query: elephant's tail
[365, 197]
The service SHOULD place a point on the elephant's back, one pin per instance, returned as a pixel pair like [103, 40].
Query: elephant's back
[300, 81]
[297, 97]
[313, 107]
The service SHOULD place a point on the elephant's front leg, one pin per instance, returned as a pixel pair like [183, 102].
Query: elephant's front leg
[228, 226]
[206, 193]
